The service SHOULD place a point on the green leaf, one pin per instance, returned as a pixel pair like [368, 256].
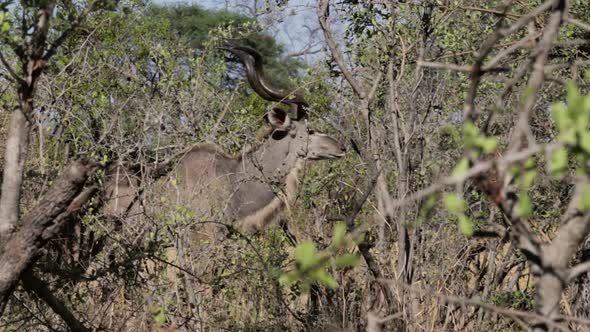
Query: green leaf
[561, 117]
[524, 207]
[347, 260]
[305, 254]
[585, 199]
[466, 225]
[470, 133]
[586, 105]
[160, 317]
[527, 178]
[568, 136]
[488, 144]
[5, 27]
[558, 164]
[461, 168]
[453, 203]
[585, 141]
[574, 99]
[339, 234]
[288, 279]
[324, 278]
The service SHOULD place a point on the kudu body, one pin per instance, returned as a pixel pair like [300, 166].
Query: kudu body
[251, 188]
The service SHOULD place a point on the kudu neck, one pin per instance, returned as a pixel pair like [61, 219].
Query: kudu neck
[265, 181]
[272, 160]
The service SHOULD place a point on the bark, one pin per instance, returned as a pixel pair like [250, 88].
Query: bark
[15, 155]
[556, 258]
[40, 224]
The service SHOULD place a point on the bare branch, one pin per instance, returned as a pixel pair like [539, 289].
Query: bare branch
[445, 66]
[524, 20]
[32, 284]
[466, 69]
[578, 270]
[512, 48]
[306, 51]
[324, 16]
[582, 25]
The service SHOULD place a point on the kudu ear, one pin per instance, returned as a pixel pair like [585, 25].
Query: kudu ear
[278, 119]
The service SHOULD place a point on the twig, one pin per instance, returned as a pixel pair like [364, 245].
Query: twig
[445, 66]
[515, 46]
[524, 20]
[466, 69]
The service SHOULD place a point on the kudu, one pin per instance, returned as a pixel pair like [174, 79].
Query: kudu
[245, 188]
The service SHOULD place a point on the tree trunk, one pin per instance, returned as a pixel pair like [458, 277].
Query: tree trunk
[14, 162]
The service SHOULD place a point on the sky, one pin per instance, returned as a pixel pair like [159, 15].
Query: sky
[293, 27]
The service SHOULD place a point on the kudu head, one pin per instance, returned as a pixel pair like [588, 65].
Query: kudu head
[289, 129]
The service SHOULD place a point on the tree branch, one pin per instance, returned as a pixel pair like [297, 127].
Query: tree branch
[324, 16]
[34, 285]
[537, 77]
[582, 25]
[577, 271]
[18, 251]
[10, 70]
